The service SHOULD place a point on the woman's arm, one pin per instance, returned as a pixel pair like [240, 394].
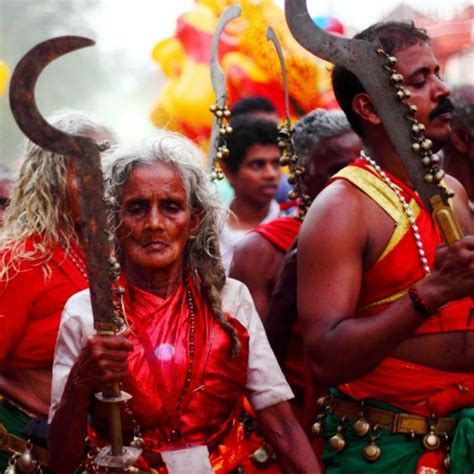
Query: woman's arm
[83, 365]
[103, 361]
[292, 447]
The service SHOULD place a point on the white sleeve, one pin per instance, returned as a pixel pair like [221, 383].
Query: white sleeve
[77, 326]
[266, 384]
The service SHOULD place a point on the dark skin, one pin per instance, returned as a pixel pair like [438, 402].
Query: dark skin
[255, 250]
[329, 279]
[156, 224]
[255, 184]
[459, 151]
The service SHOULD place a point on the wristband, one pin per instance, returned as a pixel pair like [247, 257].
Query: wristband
[418, 303]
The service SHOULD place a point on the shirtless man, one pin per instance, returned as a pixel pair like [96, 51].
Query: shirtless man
[383, 303]
[324, 143]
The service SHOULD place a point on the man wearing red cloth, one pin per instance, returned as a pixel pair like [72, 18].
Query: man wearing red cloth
[384, 305]
[324, 143]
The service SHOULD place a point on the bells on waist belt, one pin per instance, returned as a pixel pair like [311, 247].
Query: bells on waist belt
[367, 420]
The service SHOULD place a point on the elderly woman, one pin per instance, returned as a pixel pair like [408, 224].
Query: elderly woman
[41, 266]
[195, 344]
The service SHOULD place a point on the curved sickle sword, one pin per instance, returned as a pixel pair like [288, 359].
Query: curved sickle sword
[361, 58]
[218, 80]
[271, 36]
[101, 268]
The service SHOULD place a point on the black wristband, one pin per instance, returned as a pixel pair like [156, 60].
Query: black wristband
[417, 302]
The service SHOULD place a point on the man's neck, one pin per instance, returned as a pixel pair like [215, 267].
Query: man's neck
[246, 214]
[389, 160]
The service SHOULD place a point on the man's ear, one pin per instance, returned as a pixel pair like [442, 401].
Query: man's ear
[363, 107]
[460, 138]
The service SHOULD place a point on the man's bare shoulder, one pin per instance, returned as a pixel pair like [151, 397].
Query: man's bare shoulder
[254, 247]
[339, 200]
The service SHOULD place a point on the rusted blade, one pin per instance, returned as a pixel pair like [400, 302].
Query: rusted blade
[87, 156]
[22, 97]
[361, 59]
[271, 36]
[218, 79]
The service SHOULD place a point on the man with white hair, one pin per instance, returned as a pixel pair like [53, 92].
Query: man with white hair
[324, 143]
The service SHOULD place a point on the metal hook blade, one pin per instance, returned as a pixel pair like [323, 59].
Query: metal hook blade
[271, 36]
[22, 95]
[218, 79]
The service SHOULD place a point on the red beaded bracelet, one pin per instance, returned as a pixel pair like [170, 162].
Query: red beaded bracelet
[418, 303]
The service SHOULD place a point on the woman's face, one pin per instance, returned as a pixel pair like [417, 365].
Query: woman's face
[156, 220]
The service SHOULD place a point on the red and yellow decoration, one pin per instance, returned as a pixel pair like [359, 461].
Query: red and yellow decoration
[249, 62]
[4, 73]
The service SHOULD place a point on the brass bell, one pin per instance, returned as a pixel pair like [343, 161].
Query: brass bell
[261, 457]
[337, 442]
[292, 194]
[416, 147]
[429, 178]
[284, 160]
[132, 470]
[439, 175]
[212, 108]
[317, 428]
[446, 462]
[371, 452]
[26, 462]
[282, 144]
[137, 442]
[361, 427]
[426, 160]
[431, 441]
[11, 469]
[426, 144]
[228, 129]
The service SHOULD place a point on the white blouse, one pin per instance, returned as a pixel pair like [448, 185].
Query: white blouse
[266, 384]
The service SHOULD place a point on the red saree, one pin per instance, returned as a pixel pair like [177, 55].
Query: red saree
[157, 370]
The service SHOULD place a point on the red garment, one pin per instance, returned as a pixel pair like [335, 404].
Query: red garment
[281, 232]
[157, 369]
[411, 387]
[31, 306]
[391, 276]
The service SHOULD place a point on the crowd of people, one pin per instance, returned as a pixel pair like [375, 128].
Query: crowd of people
[231, 307]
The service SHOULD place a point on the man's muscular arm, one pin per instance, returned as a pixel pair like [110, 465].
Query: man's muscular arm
[332, 253]
[257, 264]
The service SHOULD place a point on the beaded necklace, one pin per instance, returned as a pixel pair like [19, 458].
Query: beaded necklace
[406, 207]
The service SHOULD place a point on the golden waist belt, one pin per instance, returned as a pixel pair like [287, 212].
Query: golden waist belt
[12, 444]
[394, 422]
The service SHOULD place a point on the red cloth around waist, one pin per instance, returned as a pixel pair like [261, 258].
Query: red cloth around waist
[414, 388]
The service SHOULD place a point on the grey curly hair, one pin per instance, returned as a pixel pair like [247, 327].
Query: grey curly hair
[202, 254]
[40, 198]
[313, 128]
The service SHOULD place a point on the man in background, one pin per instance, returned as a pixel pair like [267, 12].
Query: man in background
[253, 170]
[459, 151]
